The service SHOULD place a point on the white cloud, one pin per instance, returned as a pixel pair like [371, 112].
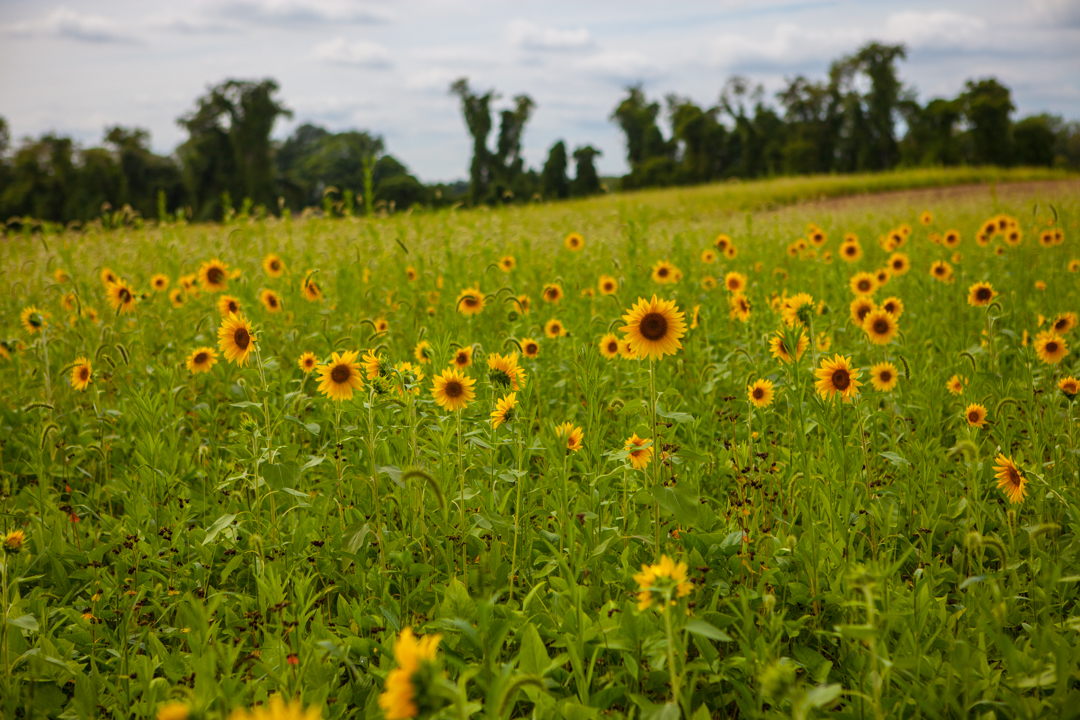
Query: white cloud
[789, 44]
[527, 36]
[622, 66]
[936, 29]
[359, 54]
[291, 12]
[66, 23]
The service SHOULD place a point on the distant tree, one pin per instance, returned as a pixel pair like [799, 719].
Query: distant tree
[878, 63]
[143, 174]
[649, 155]
[229, 148]
[43, 180]
[586, 180]
[813, 120]
[554, 184]
[987, 106]
[477, 112]
[931, 136]
[1034, 141]
[508, 165]
[699, 138]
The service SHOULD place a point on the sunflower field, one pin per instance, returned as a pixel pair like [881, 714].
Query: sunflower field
[631, 457]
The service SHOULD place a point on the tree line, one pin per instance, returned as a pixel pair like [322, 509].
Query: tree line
[860, 118]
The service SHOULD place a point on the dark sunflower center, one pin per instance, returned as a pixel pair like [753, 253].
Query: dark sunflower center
[662, 272]
[313, 288]
[1052, 347]
[864, 285]
[454, 389]
[84, 373]
[35, 320]
[241, 338]
[1012, 475]
[881, 326]
[849, 250]
[125, 295]
[271, 300]
[841, 380]
[159, 282]
[556, 327]
[653, 326]
[973, 416]
[462, 358]
[233, 307]
[983, 294]
[939, 270]
[340, 374]
[613, 347]
[470, 301]
[215, 275]
[531, 348]
[275, 265]
[898, 264]
[863, 311]
[885, 376]
[200, 358]
[1061, 324]
[759, 393]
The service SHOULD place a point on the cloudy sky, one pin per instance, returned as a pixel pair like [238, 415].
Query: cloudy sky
[383, 66]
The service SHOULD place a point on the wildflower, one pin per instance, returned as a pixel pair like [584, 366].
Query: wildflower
[607, 285]
[270, 300]
[278, 709]
[797, 309]
[739, 307]
[653, 327]
[1069, 386]
[453, 390]
[159, 282]
[273, 265]
[530, 348]
[463, 357]
[836, 376]
[307, 362]
[894, 306]
[470, 301]
[880, 327]
[1009, 478]
[664, 272]
[660, 581]
[860, 307]
[899, 263]
[552, 293]
[507, 263]
[227, 305]
[863, 283]
[975, 415]
[980, 294]
[173, 711]
[312, 291]
[761, 393]
[504, 371]
[214, 275]
[708, 256]
[504, 410]
[955, 384]
[926, 217]
[574, 241]
[572, 435]
[609, 346]
[422, 352]
[201, 360]
[1051, 347]
[339, 377]
[639, 456]
[121, 296]
[778, 347]
[883, 376]
[554, 328]
[235, 339]
[851, 250]
[735, 282]
[13, 541]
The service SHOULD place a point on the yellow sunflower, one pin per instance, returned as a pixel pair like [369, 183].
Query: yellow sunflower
[381, 326]
[860, 308]
[654, 327]
[981, 294]
[307, 362]
[462, 357]
[863, 283]
[851, 250]
[574, 241]
[339, 377]
[951, 238]
[975, 415]
[214, 275]
[722, 242]
[899, 263]
[926, 217]
[228, 305]
[159, 282]
[730, 252]
[278, 709]
[235, 339]
[201, 360]
[823, 342]
[609, 346]
[760, 393]
[894, 306]
[552, 293]
[177, 297]
[660, 581]
[504, 410]
[399, 700]
[941, 270]
[663, 272]
[121, 296]
[797, 309]
[837, 376]
[572, 435]
[61, 276]
[708, 283]
[507, 263]
[779, 350]
[883, 376]
[880, 327]
[1069, 386]
[625, 351]
[1009, 478]
[1051, 347]
[273, 266]
[470, 301]
[735, 282]
[708, 256]
[639, 455]
[422, 352]
[882, 275]
[739, 307]
[503, 370]
[312, 291]
[81, 374]
[1064, 322]
[173, 711]
[108, 276]
[32, 319]
[554, 328]
[270, 300]
[1074, 266]
[955, 384]
[818, 237]
[453, 390]
[607, 285]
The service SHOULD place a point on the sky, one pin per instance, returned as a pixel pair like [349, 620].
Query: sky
[79, 66]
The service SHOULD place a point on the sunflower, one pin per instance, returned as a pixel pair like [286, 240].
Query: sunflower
[554, 328]
[399, 700]
[422, 352]
[708, 283]
[1074, 266]
[270, 300]
[572, 435]
[410, 274]
[797, 309]
[739, 307]
[339, 377]
[278, 709]
[735, 282]
[730, 252]
[1009, 478]
[61, 276]
[453, 390]
[81, 374]
[177, 297]
[273, 265]
[760, 393]
[951, 238]
[121, 296]
[214, 275]
[1014, 237]
[955, 384]
[654, 327]
[507, 263]
[657, 582]
[69, 302]
[1051, 347]
[574, 241]
[894, 306]
[159, 282]
[708, 256]
[173, 711]
[235, 339]
[990, 227]
[823, 342]
[470, 301]
[926, 217]
[463, 357]
[411, 377]
[1065, 322]
[626, 352]
[607, 285]
[941, 270]
[863, 283]
[861, 307]
[880, 326]
[837, 376]
[664, 272]
[975, 415]
[899, 263]
[982, 239]
[227, 305]
[883, 376]
[639, 456]
[201, 360]
[818, 237]
[504, 410]
[980, 294]
[312, 291]
[552, 293]
[609, 346]
[307, 362]
[851, 250]
[108, 276]
[503, 370]
[1069, 386]
[1040, 285]
[779, 350]
[882, 275]
[381, 326]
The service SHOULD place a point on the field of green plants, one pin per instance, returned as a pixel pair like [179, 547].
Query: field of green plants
[635, 456]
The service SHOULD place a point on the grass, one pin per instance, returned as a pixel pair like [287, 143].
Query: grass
[213, 539]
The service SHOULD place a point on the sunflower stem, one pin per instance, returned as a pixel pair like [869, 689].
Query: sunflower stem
[656, 449]
[461, 504]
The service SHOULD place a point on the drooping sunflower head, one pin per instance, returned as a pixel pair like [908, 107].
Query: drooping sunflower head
[1051, 347]
[861, 307]
[574, 241]
[503, 370]
[837, 377]
[552, 293]
[609, 346]
[778, 346]
[453, 390]
[504, 410]
[470, 301]
[159, 282]
[32, 319]
[121, 296]
[81, 373]
[312, 291]
[228, 305]
[880, 326]
[1009, 479]
[214, 275]
[654, 327]
[108, 276]
[201, 360]
[462, 357]
[270, 300]
[1064, 322]
[1069, 386]
[798, 309]
[554, 328]
[235, 339]
[273, 265]
[640, 450]
[571, 435]
[760, 393]
[530, 348]
[739, 307]
[883, 376]
[975, 415]
[307, 362]
[607, 285]
[339, 377]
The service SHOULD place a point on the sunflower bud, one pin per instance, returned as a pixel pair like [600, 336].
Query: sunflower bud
[13, 542]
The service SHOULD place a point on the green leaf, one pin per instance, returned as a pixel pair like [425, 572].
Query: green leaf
[280, 475]
[312, 428]
[220, 524]
[822, 695]
[895, 459]
[706, 630]
[533, 657]
[26, 622]
[673, 499]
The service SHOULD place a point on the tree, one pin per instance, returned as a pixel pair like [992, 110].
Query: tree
[229, 148]
[931, 137]
[143, 174]
[477, 112]
[1034, 140]
[878, 63]
[554, 184]
[699, 139]
[987, 105]
[649, 155]
[586, 180]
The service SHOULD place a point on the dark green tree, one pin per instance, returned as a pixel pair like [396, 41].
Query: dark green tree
[878, 63]
[586, 180]
[987, 106]
[554, 184]
[477, 112]
[700, 140]
[1035, 140]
